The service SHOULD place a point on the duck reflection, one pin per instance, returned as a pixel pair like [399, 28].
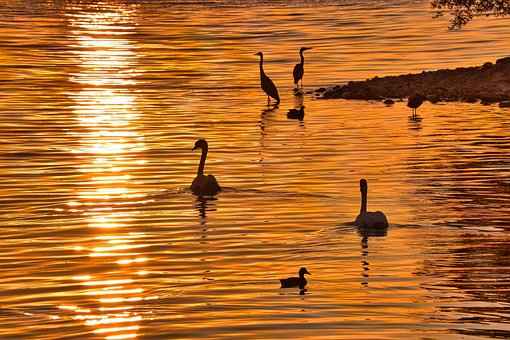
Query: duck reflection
[296, 113]
[365, 234]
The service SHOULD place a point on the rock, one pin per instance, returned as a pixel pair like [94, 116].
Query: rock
[503, 61]
[486, 100]
[505, 103]
[389, 101]
[434, 99]
[489, 83]
[470, 99]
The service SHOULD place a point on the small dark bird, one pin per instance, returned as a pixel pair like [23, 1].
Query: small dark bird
[296, 113]
[296, 281]
[389, 101]
[266, 83]
[299, 69]
[414, 102]
[369, 219]
[204, 185]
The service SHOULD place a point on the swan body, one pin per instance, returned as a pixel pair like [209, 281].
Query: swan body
[266, 83]
[296, 281]
[204, 185]
[299, 69]
[369, 219]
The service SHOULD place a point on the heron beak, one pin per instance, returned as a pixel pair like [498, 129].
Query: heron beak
[194, 148]
[307, 272]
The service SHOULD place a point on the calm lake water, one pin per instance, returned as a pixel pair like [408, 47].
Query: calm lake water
[101, 102]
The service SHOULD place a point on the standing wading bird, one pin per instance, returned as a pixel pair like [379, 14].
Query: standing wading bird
[369, 219]
[414, 102]
[299, 69]
[204, 185]
[266, 83]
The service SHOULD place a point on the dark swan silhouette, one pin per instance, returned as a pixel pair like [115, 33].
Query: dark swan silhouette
[299, 69]
[266, 83]
[296, 281]
[369, 219]
[202, 184]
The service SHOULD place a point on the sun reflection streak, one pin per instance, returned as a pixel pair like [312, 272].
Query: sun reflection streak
[110, 145]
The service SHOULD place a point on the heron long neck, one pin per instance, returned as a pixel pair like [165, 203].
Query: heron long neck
[201, 166]
[261, 65]
[302, 57]
[363, 208]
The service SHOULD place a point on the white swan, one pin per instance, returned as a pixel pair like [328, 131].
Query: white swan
[204, 185]
[369, 219]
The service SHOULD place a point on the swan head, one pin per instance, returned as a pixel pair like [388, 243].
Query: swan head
[303, 271]
[200, 144]
[363, 185]
[259, 54]
[302, 49]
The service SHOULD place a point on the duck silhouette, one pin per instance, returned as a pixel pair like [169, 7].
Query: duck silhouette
[296, 281]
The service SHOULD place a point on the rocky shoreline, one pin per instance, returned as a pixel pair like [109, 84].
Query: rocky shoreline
[489, 83]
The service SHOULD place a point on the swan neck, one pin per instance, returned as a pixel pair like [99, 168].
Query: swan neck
[363, 208]
[201, 166]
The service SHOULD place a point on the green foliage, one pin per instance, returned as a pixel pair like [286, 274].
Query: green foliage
[464, 11]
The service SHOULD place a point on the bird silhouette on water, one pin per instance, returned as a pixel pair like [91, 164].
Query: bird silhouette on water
[266, 83]
[296, 281]
[414, 102]
[369, 219]
[296, 113]
[204, 185]
[299, 69]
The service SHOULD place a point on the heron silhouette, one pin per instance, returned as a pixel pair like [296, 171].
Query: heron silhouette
[266, 83]
[299, 69]
[414, 102]
[202, 184]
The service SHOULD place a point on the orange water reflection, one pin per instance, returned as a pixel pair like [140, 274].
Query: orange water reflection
[109, 144]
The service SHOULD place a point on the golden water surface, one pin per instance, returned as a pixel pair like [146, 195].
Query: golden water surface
[101, 102]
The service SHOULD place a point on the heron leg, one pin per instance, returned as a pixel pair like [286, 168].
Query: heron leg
[268, 100]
